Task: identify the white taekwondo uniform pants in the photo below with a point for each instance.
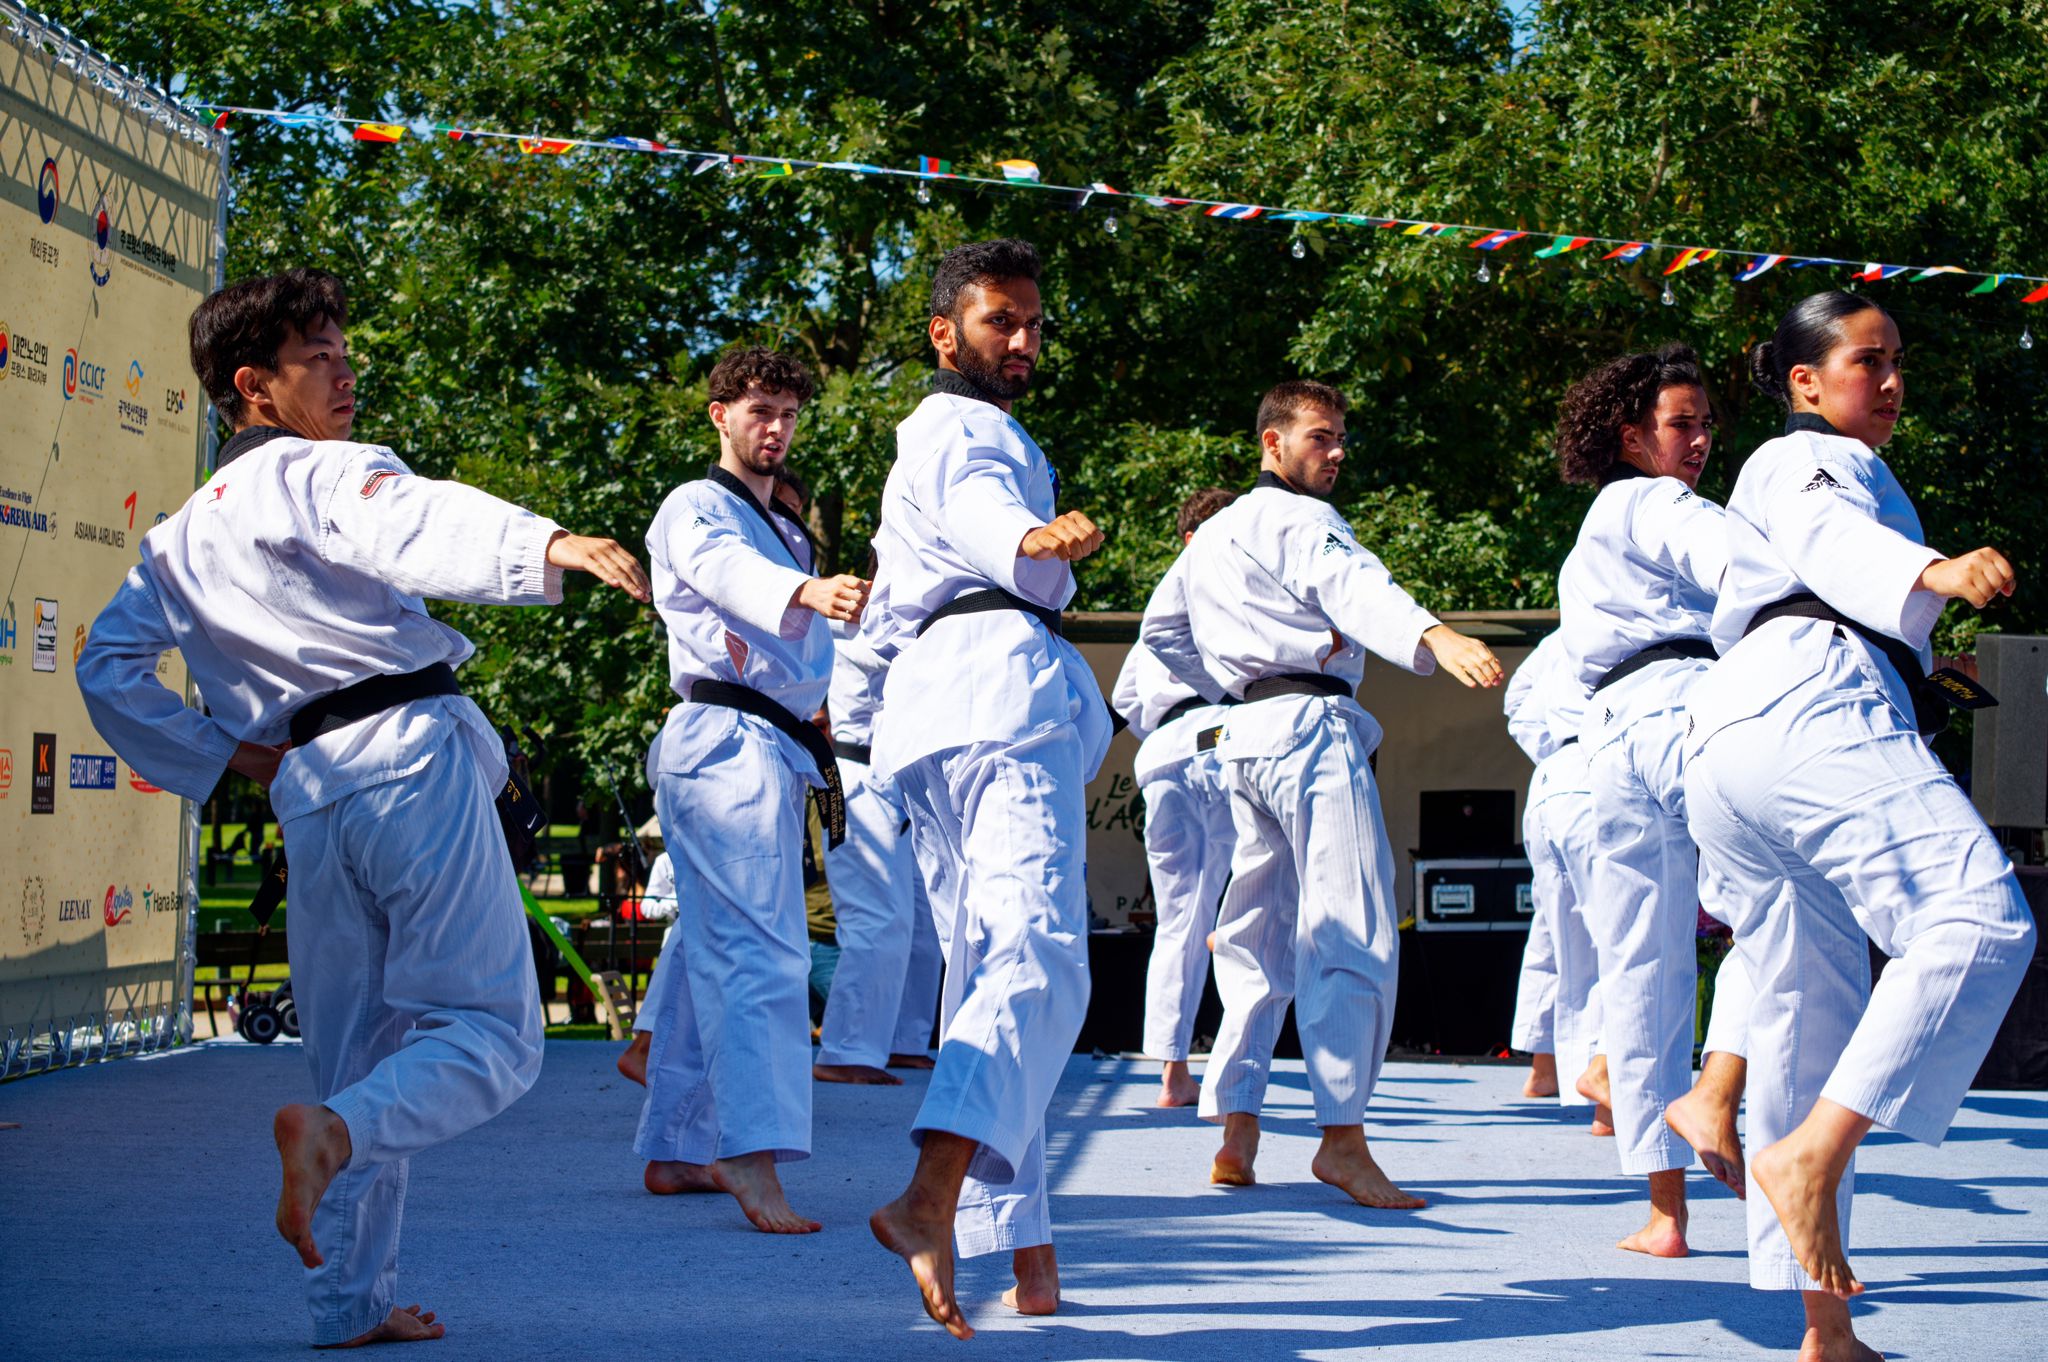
(918, 1014)
(729, 1070)
(1188, 841)
(1559, 833)
(414, 983)
(1309, 916)
(1829, 818)
(1001, 834)
(1644, 909)
(1534, 1030)
(878, 898)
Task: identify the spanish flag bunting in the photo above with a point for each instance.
(932, 165)
(1990, 285)
(1561, 245)
(2039, 295)
(1493, 241)
(1019, 170)
(1691, 255)
(1627, 251)
(379, 132)
(543, 146)
(1758, 264)
(1933, 270)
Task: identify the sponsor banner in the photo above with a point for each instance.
(107, 242)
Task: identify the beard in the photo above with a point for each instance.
(987, 374)
(754, 459)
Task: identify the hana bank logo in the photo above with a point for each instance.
(101, 266)
(47, 192)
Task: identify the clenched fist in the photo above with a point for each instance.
(1975, 577)
(836, 598)
(1071, 536)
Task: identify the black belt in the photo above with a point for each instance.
(371, 695)
(1670, 650)
(993, 598)
(1206, 740)
(853, 751)
(519, 813)
(1932, 695)
(831, 799)
(1568, 742)
(1295, 683)
(1180, 707)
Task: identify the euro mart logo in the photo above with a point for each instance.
(90, 772)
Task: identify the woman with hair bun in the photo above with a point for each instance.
(1636, 597)
(1810, 788)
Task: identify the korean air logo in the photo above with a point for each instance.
(47, 192)
(101, 265)
(135, 378)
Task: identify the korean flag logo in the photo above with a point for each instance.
(47, 192)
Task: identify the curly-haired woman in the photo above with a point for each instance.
(1637, 597)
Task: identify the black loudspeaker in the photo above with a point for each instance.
(1467, 823)
(2009, 743)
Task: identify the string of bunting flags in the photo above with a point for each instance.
(1017, 173)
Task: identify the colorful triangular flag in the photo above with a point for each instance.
(1759, 264)
(1422, 229)
(1873, 272)
(543, 146)
(1493, 241)
(1019, 170)
(636, 143)
(1561, 245)
(1358, 220)
(1991, 283)
(700, 164)
(1241, 212)
(932, 165)
(379, 132)
(222, 121)
(1294, 215)
(1169, 203)
(299, 120)
(1933, 270)
(2039, 295)
(455, 134)
(763, 166)
(1098, 187)
(1627, 251)
(1691, 255)
(1812, 262)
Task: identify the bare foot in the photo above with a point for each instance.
(1347, 1164)
(751, 1180)
(1592, 1084)
(1037, 1291)
(1830, 1337)
(912, 1062)
(1542, 1079)
(633, 1061)
(866, 1075)
(1708, 1125)
(920, 1232)
(1664, 1235)
(312, 1145)
(1603, 1120)
(1800, 1185)
(410, 1325)
(1177, 1087)
(1232, 1166)
(667, 1177)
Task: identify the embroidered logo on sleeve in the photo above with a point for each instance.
(1820, 480)
(377, 480)
(699, 523)
(1335, 543)
(1682, 497)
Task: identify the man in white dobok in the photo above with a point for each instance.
(1282, 603)
(992, 725)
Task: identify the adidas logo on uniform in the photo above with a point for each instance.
(1820, 480)
(1336, 543)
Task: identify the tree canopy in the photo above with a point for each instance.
(542, 326)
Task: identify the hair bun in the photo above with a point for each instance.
(1763, 371)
